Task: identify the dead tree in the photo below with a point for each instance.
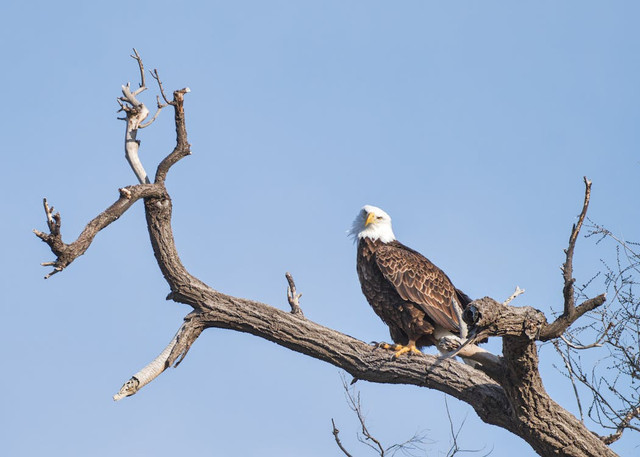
(507, 392)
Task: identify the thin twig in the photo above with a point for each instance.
(455, 448)
(338, 442)
(143, 86)
(159, 106)
(454, 435)
(156, 76)
(155, 116)
(632, 414)
(596, 344)
(353, 400)
(568, 366)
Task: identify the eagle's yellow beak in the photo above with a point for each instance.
(370, 218)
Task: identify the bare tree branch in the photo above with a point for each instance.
(570, 374)
(338, 442)
(136, 112)
(512, 398)
(156, 76)
(515, 294)
(67, 253)
(612, 381)
(567, 268)
(571, 313)
(560, 325)
(293, 296)
(624, 423)
(596, 344)
(355, 404)
(159, 106)
(175, 351)
(183, 148)
(138, 59)
(455, 447)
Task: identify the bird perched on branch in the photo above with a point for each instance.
(410, 294)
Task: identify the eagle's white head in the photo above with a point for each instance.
(372, 223)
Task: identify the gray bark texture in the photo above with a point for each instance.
(509, 393)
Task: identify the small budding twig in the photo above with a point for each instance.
(292, 296)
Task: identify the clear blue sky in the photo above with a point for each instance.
(471, 123)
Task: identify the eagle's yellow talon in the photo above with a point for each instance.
(400, 349)
(377, 345)
(411, 349)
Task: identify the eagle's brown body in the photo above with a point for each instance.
(409, 293)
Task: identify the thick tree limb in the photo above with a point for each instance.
(519, 328)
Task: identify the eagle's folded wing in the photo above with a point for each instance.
(419, 281)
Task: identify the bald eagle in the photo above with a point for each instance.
(409, 293)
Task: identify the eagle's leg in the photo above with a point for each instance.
(400, 349)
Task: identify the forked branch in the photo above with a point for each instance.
(136, 112)
(567, 268)
(413, 444)
(67, 253)
(571, 313)
(183, 148)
